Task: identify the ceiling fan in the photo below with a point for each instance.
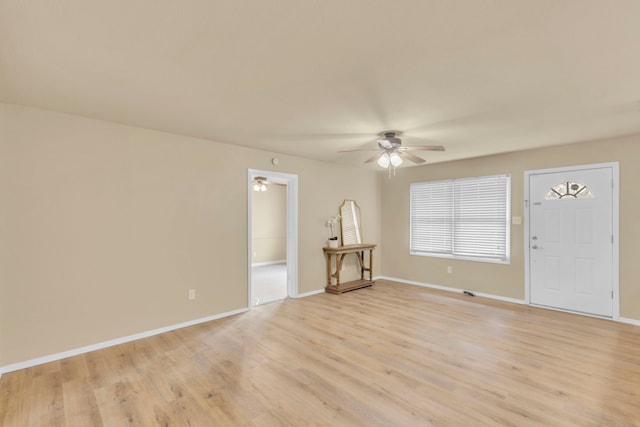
(260, 183)
(393, 153)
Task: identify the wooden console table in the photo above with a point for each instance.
(339, 253)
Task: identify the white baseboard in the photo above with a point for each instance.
(262, 264)
(456, 290)
(629, 321)
(501, 298)
(110, 343)
(308, 294)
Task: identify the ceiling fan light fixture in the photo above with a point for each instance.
(395, 159)
(384, 161)
(259, 184)
(391, 154)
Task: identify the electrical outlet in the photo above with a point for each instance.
(449, 269)
(192, 294)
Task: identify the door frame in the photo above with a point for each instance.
(291, 181)
(615, 218)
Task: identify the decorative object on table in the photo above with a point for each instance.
(351, 230)
(351, 227)
(332, 225)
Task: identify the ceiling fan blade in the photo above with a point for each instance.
(360, 149)
(374, 158)
(425, 147)
(411, 157)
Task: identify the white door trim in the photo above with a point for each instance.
(615, 279)
(291, 181)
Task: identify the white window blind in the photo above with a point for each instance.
(463, 218)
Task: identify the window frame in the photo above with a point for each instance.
(451, 254)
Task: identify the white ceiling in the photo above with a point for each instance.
(311, 77)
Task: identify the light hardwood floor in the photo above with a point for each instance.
(391, 355)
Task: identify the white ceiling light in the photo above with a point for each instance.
(395, 159)
(389, 159)
(383, 160)
(259, 183)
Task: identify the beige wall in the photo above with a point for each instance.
(108, 226)
(104, 227)
(508, 280)
(4, 248)
(269, 224)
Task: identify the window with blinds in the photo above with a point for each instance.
(463, 218)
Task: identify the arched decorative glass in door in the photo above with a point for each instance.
(569, 190)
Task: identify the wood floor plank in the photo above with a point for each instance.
(80, 405)
(389, 355)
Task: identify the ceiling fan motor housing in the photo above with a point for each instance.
(390, 137)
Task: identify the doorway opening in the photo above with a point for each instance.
(272, 238)
(571, 239)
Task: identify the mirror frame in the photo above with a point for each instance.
(350, 223)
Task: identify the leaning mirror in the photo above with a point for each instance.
(350, 223)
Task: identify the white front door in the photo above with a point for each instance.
(571, 240)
